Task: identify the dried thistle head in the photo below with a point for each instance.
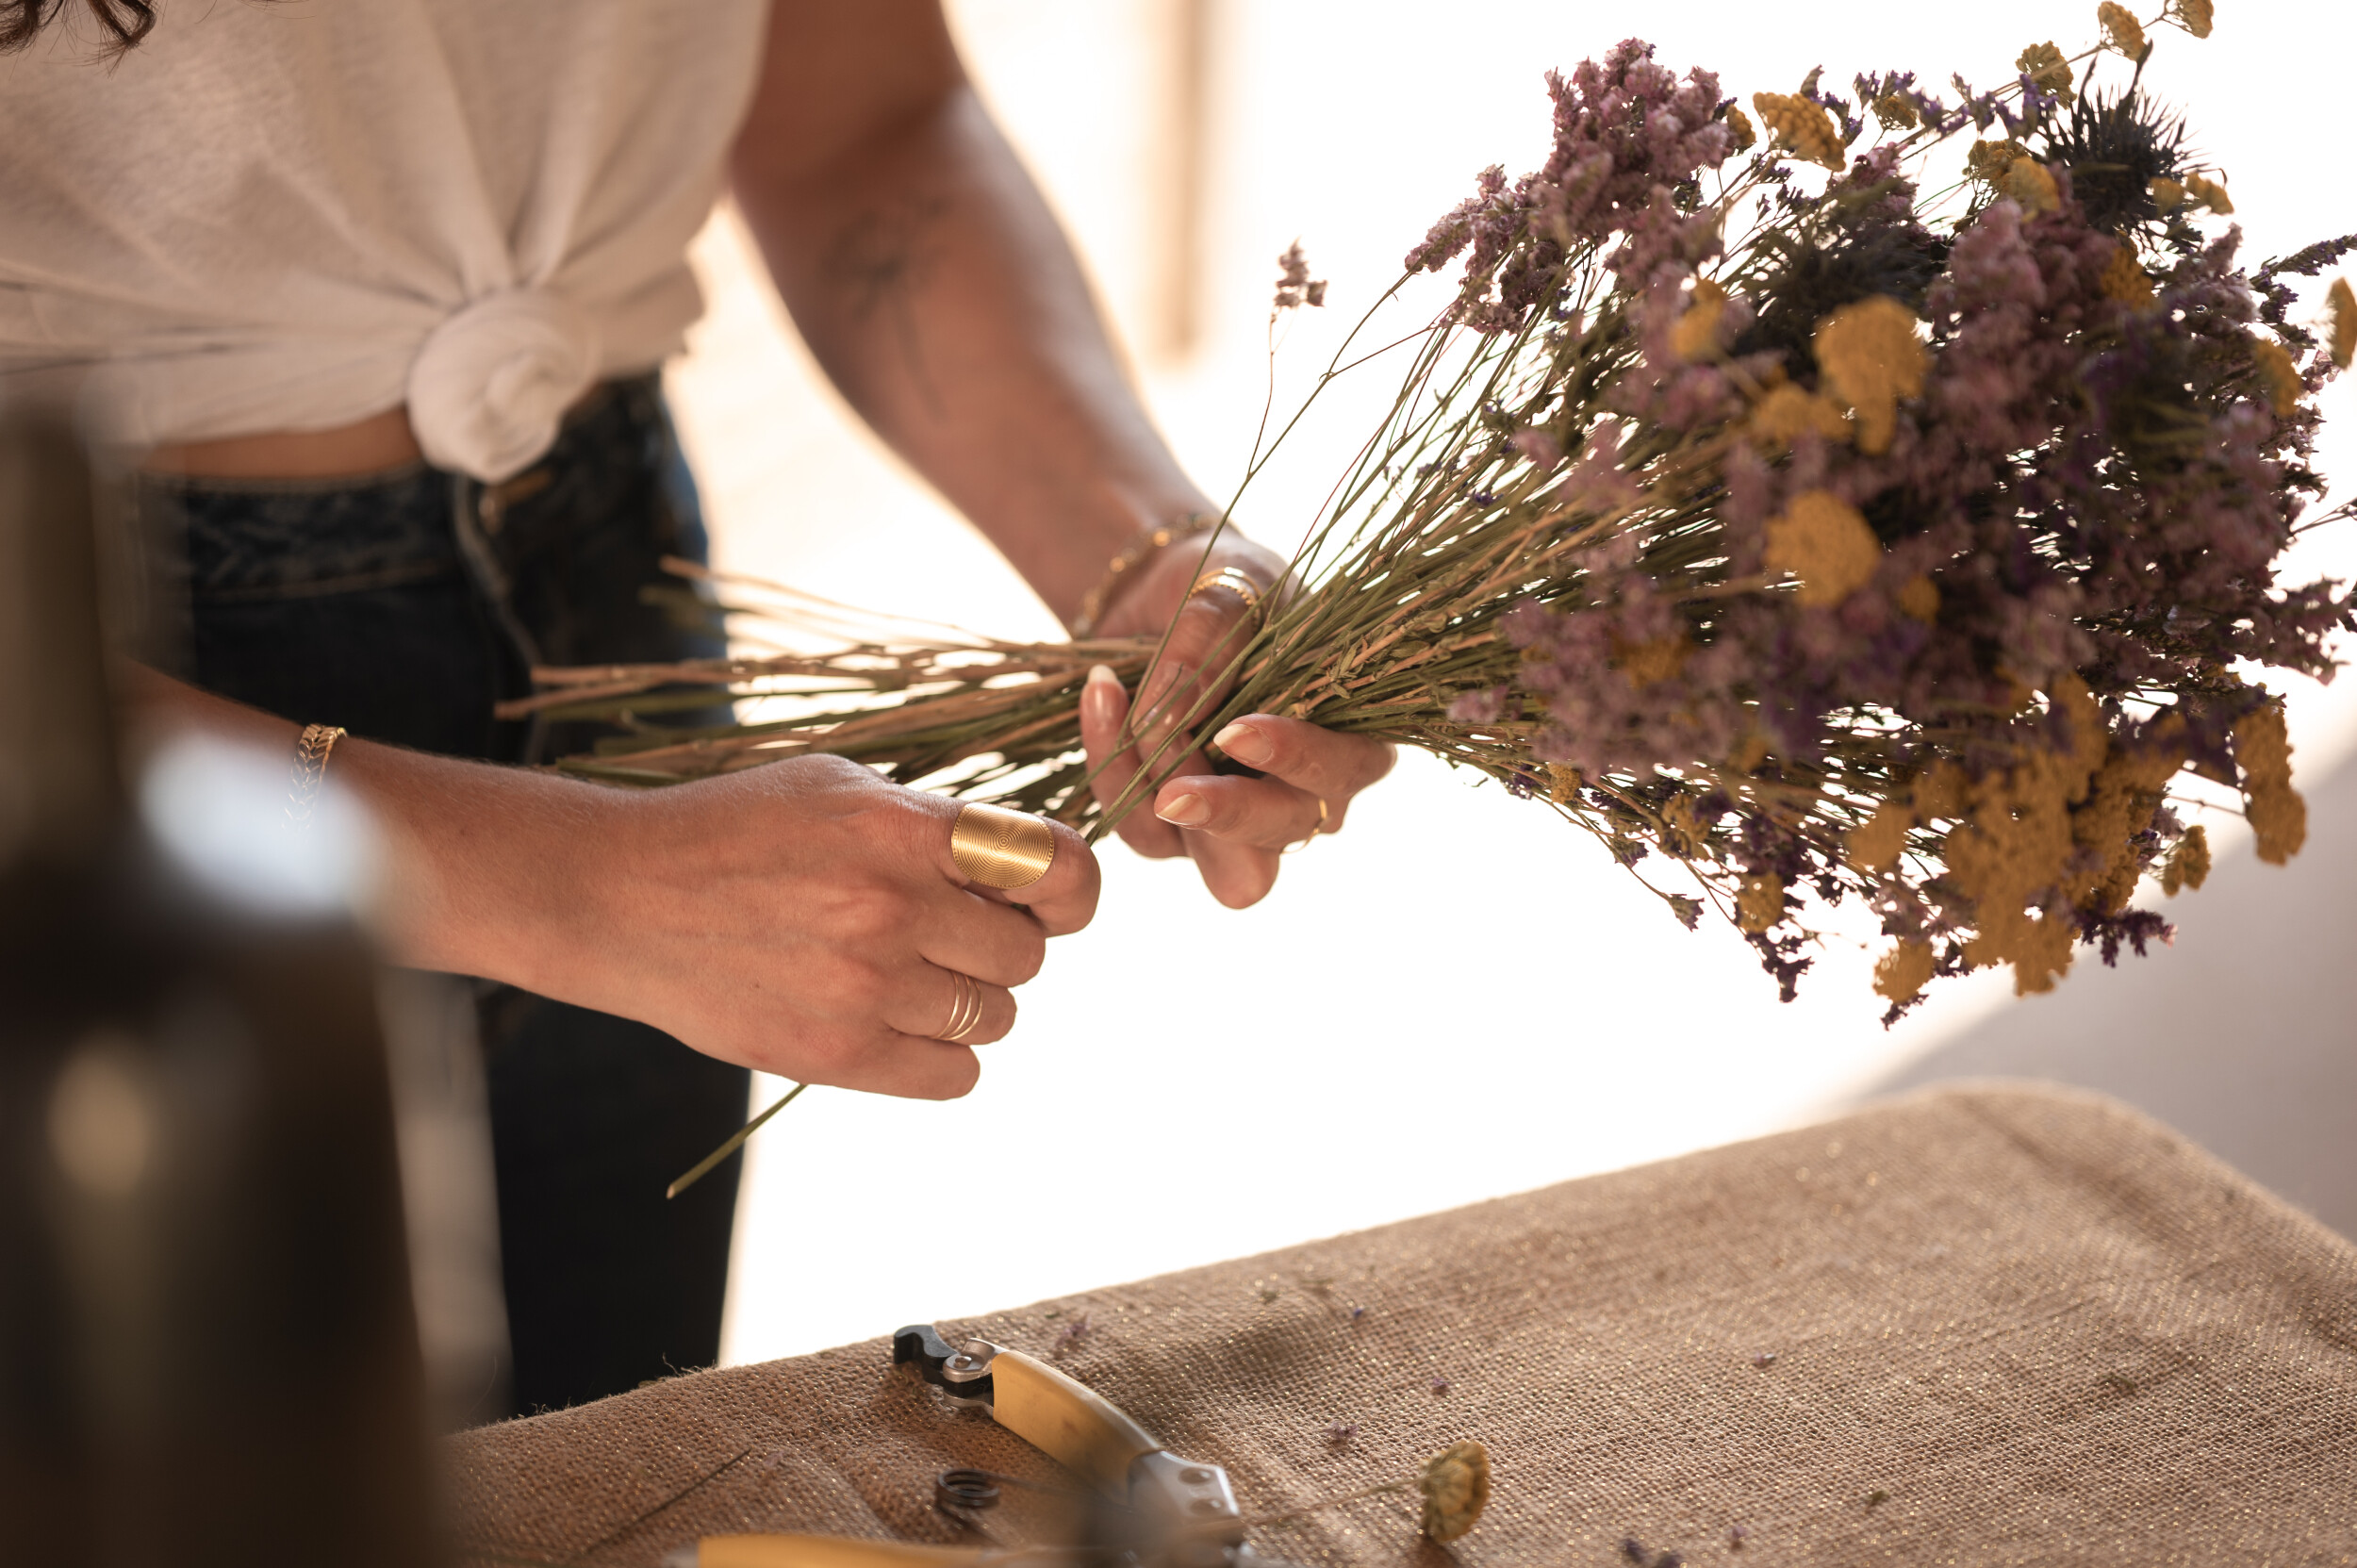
(2342, 345)
(1803, 126)
(1456, 1488)
(2117, 147)
(2047, 69)
(2122, 31)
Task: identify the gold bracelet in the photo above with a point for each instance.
(1094, 602)
(309, 771)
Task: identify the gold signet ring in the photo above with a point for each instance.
(1001, 848)
(1234, 581)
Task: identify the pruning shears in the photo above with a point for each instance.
(1147, 1508)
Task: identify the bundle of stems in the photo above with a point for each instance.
(1864, 543)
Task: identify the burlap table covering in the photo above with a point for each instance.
(1986, 1325)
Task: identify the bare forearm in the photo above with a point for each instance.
(932, 283)
(476, 855)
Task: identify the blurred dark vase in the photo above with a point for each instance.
(206, 1347)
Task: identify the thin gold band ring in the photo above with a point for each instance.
(1323, 815)
(965, 1009)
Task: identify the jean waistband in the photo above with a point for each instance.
(286, 538)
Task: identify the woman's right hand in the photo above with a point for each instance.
(805, 918)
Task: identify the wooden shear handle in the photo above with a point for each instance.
(1066, 1421)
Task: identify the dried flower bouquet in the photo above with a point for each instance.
(1853, 540)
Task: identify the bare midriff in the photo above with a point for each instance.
(378, 442)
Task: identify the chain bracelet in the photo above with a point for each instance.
(309, 771)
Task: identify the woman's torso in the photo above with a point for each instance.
(295, 215)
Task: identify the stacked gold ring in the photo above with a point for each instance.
(1323, 815)
(1235, 581)
(965, 1008)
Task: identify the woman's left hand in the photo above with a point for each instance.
(1233, 826)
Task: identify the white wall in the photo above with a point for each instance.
(1456, 999)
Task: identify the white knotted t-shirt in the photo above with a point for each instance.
(293, 214)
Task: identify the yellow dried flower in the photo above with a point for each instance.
(1988, 160)
(2122, 31)
(2120, 805)
(1942, 791)
(2167, 194)
(1779, 417)
(1740, 123)
(2124, 280)
(1896, 113)
(2210, 193)
(1456, 1488)
(1902, 971)
(1749, 754)
(1697, 331)
(1683, 833)
(1803, 126)
(2047, 69)
(1874, 843)
(2192, 15)
(2030, 187)
(2277, 374)
(2016, 849)
(2279, 818)
(1919, 597)
(1648, 663)
(2188, 864)
(1563, 783)
(1870, 355)
(2343, 345)
(1760, 902)
(1822, 540)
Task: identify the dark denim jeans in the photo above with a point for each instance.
(401, 606)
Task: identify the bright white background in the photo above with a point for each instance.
(1456, 999)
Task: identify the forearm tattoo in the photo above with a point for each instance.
(878, 264)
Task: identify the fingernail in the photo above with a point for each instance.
(1102, 691)
(1246, 743)
(1188, 811)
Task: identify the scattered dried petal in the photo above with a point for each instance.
(1456, 1488)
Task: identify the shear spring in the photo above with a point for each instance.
(965, 1490)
